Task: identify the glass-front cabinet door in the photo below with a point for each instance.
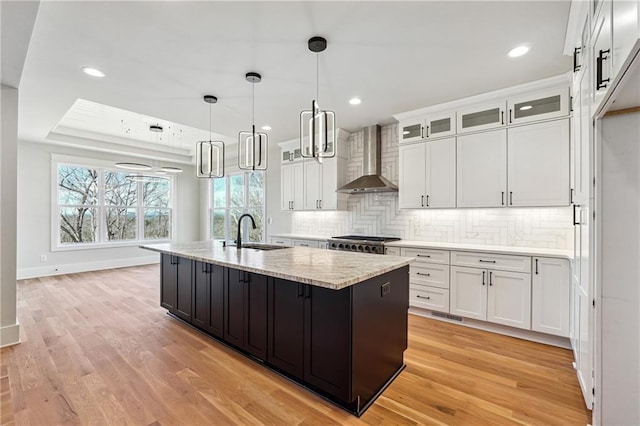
(481, 117)
(440, 125)
(537, 106)
(411, 130)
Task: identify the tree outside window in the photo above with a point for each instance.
(232, 196)
(101, 206)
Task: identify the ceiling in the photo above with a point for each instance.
(162, 57)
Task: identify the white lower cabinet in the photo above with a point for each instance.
(281, 241)
(490, 295)
(306, 243)
(436, 299)
(550, 296)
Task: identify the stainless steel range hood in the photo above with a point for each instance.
(371, 181)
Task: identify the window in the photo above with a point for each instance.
(102, 206)
(232, 196)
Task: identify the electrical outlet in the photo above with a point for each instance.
(385, 289)
(269, 220)
(43, 258)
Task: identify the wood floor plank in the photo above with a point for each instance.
(98, 349)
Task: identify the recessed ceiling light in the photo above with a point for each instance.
(155, 128)
(93, 72)
(133, 166)
(355, 101)
(171, 169)
(518, 51)
(266, 127)
(526, 107)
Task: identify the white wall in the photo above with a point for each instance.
(9, 328)
(35, 216)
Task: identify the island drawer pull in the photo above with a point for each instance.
(486, 261)
(422, 273)
(422, 297)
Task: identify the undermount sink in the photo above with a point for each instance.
(259, 246)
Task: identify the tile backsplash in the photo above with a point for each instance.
(378, 214)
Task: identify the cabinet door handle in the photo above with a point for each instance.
(571, 196)
(483, 275)
(601, 83)
(422, 200)
(300, 290)
(510, 198)
(502, 117)
(304, 245)
(490, 280)
(576, 65)
(536, 266)
(320, 203)
(486, 261)
(427, 131)
(293, 205)
(427, 201)
(510, 120)
(422, 273)
(574, 215)
(307, 291)
(421, 132)
(423, 255)
(422, 297)
(502, 198)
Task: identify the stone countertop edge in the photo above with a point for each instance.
(300, 237)
(521, 251)
(206, 255)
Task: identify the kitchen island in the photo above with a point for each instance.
(334, 322)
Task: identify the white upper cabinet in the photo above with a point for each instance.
(538, 106)
(538, 164)
(432, 126)
(331, 175)
(481, 117)
(428, 174)
(320, 184)
(626, 31)
(312, 184)
(482, 169)
(292, 190)
(411, 130)
(412, 184)
(601, 56)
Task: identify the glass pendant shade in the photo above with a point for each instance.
(210, 154)
(210, 159)
(252, 145)
(317, 133)
(252, 150)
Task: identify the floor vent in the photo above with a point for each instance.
(447, 316)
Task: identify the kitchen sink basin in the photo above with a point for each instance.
(258, 246)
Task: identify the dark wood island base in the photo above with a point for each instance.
(345, 345)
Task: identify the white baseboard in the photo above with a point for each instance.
(9, 335)
(71, 268)
(534, 336)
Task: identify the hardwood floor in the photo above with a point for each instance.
(98, 349)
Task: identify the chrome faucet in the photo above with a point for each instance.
(253, 223)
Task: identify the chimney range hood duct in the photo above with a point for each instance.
(371, 181)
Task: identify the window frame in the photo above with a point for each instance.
(230, 234)
(101, 207)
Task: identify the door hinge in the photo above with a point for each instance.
(593, 391)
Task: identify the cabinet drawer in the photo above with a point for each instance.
(392, 251)
(427, 255)
(306, 243)
(436, 299)
(281, 241)
(504, 262)
(433, 275)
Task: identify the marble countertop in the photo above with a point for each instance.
(524, 251)
(324, 268)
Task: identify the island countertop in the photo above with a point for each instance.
(324, 268)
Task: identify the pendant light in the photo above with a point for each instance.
(252, 145)
(209, 154)
(317, 126)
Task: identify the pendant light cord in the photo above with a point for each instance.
(210, 138)
(253, 102)
(317, 78)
